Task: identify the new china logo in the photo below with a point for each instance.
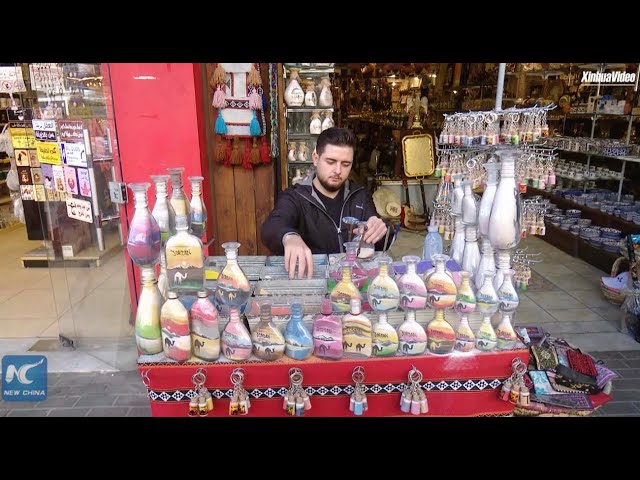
(24, 378)
(616, 78)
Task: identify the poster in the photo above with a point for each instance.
(24, 176)
(33, 158)
(47, 176)
(36, 176)
(11, 79)
(58, 178)
(74, 154)
(79, 210)
(84, 183)
(27, 192)
(40, 193)
(22, 157)
(71, 181)
(48, 152)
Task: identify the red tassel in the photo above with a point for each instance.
(264, 151)
(247, 152)
(227, 153)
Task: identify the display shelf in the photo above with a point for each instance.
(310, 70)
(622, 158)
(303, 136)
(298, 163)
(597, 257)
(308, 109)
(455, 385)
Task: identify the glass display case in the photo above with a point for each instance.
(307, 111)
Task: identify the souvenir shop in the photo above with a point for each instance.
(470, 154)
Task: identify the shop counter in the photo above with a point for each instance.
(458, 384)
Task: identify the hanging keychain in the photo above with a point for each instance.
(413, 399)
(296, 400)
(512, 386)
(201, 402)
(358, 401)
(240, 403)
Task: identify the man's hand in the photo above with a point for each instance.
(296, 251)
(376, 229)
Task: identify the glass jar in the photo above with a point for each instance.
(143, 242)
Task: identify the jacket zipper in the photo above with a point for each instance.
(329, 216)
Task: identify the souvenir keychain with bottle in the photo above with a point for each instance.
(358, 401)
(513, 388)
(201, 402)
(240, 402)
(413, 399)
(296, 400)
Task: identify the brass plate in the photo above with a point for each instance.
(418, 155)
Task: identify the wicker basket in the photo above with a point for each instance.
(613, 295)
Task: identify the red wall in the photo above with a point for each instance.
(159, 123)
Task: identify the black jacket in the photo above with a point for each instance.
(300, 210)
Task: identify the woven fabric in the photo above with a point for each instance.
(545, 357)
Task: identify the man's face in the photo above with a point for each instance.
(333, 166)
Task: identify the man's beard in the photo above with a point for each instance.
(330, 187)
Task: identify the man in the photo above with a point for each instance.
(308, 216)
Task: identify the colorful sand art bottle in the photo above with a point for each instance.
(268, 341)
(198, 210)
(356, 332)
(441, 289)
(344, 291)
(383, 293)
(143, 242)
(205, 328)
(465, 298)
(385, 337)
(233, 288)
(327, 333)
(185, 260)
(298, 338)
(412, 338)
(441, 334)
(179, 200)
(413, 292)
(176, 332)
(236, 340)
(506, 334)
(465, 339)
(486, 339)
(148, 329)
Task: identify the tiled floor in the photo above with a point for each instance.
(98, 377)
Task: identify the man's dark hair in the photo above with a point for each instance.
(340, 137)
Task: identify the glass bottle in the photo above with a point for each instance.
(503, 263)
(291, 156)
(315, 126)
(176, 333)
(465, 298)
(328, 121)
(471, 255)
(326, 98)
(441, 334)
(505, 333)
(432, 243)
(163, 282)
(383, 293)
(486, 339)
(327, 333)
(293, 94)
(268, 342)
(148, 329)
(185, 260)
(178, 199)
(507, 294)
(458, 242)
(236, 340)
(162, 210)
(310, 99)
(205, 328)
(385, 338)
(143, 242)
(486, 202)
(197, 208)
(233, 287)
(413, 291)
(487, 262)
(441, 289)
(344, 291)
(367, 250)
(505, 219)
(412, 339)
(486, 296)
(298, 338)
(457, 195)
(469, 205)
(356, 332)
(465, 339)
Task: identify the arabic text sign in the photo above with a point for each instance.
(74, 154)
(71, 131)
(48, 152)
(79, 210)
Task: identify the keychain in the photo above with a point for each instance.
(201, 402)
(513, 388)
(358, 402)
(413, 399)
(296, 400)
(240, 403)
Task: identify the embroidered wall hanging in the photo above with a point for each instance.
(240, 121)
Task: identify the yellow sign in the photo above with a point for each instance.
(48, 152)
(22, 138)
